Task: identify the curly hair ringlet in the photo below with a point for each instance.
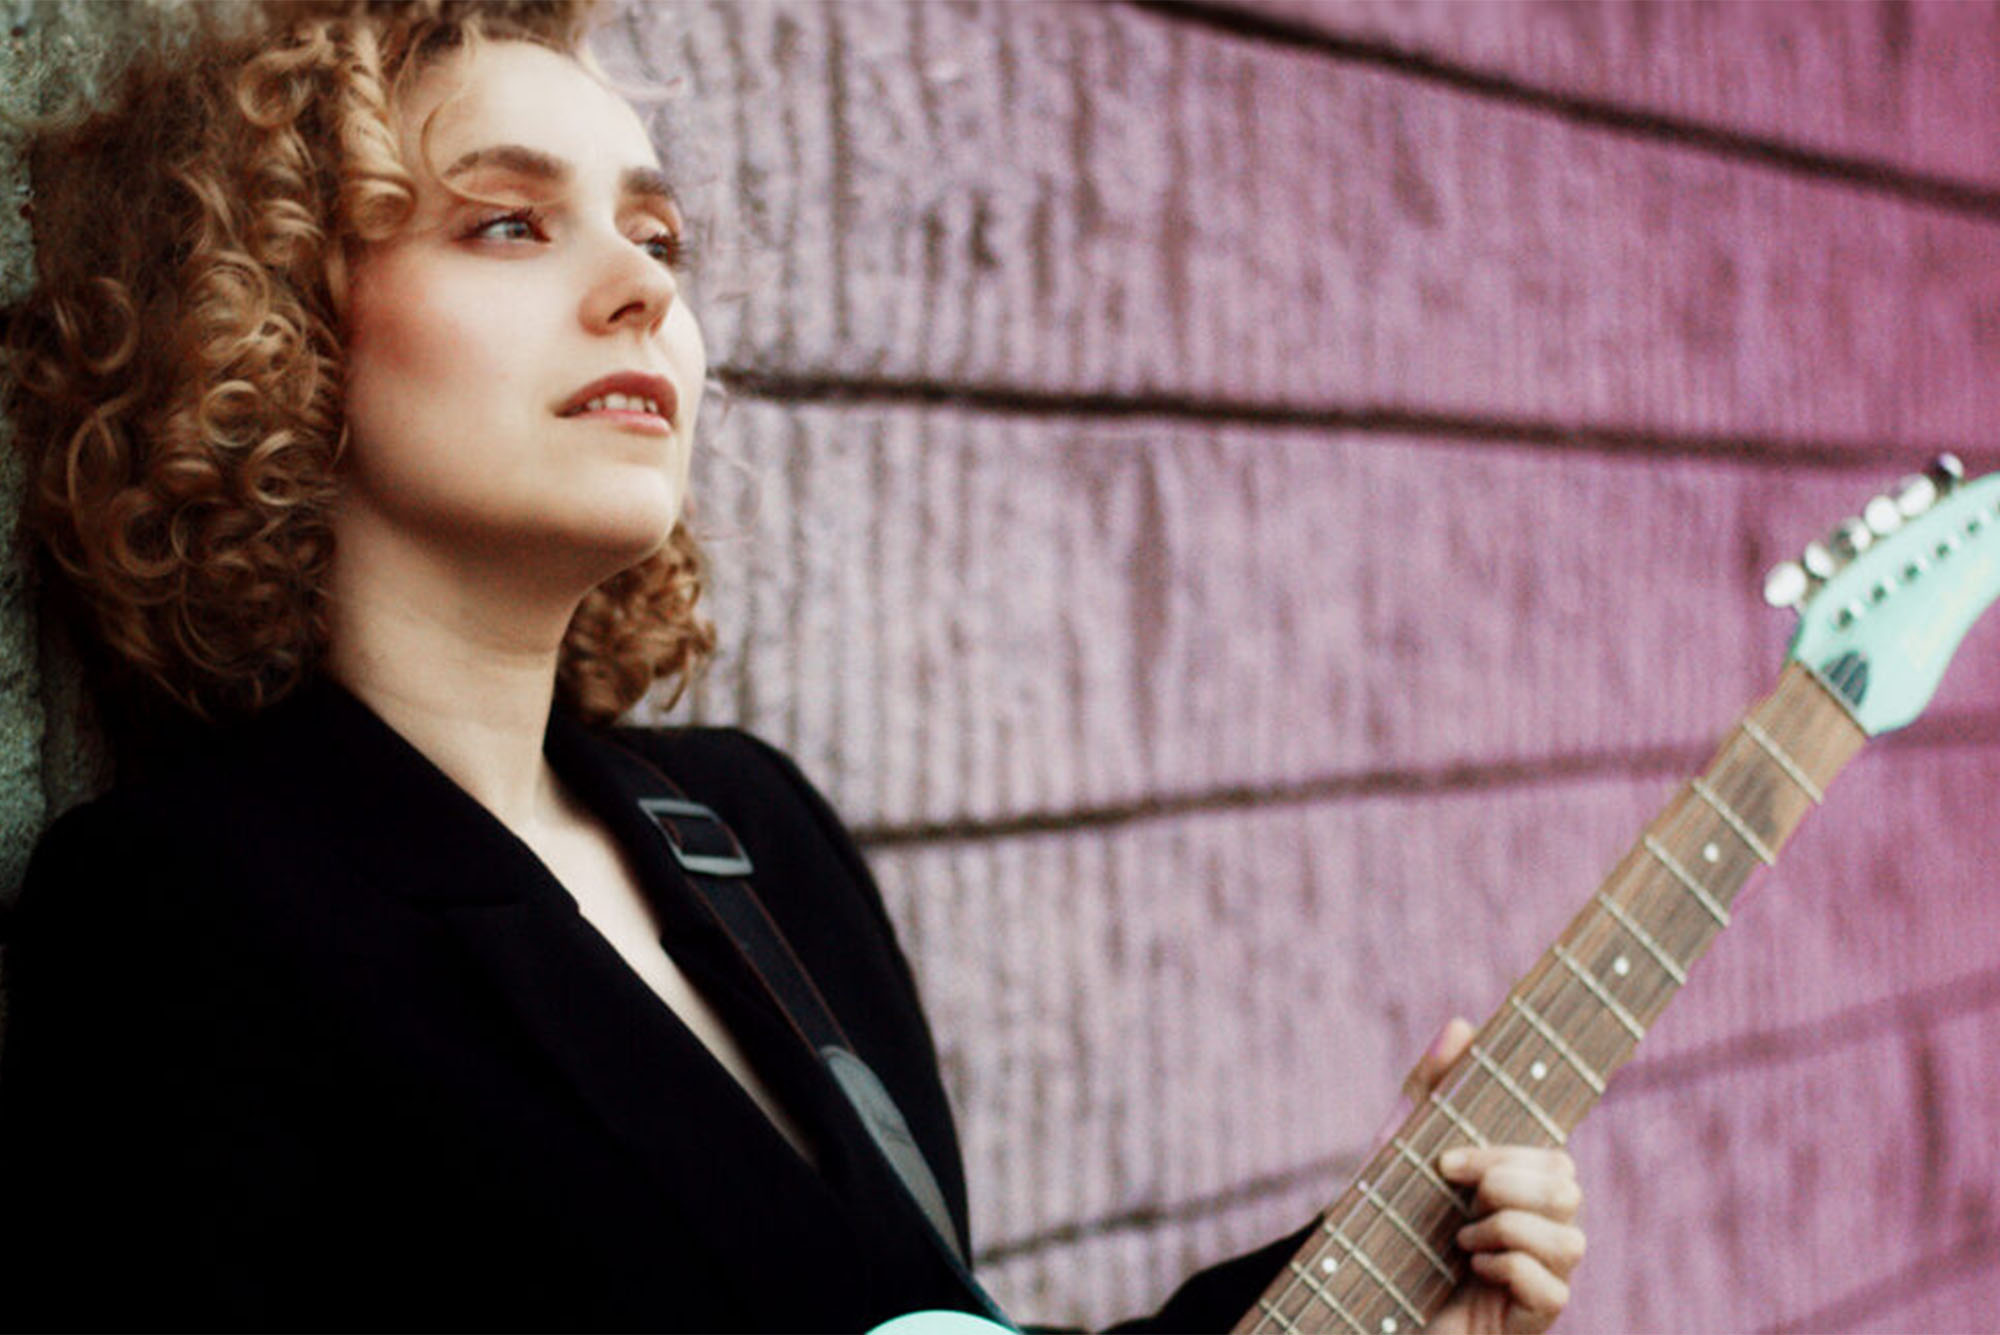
(174, 379)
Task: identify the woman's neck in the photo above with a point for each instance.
(462, 666)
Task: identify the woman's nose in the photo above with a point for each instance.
(632, 289)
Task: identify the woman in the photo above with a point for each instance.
(361, 431)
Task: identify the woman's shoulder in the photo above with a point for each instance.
(796, 840)
(728, 757)
(116, 849)
(259, 811)
(741, 776)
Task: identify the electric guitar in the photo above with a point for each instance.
(1883, 604)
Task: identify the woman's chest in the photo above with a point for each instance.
(608, 894)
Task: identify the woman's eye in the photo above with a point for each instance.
(669, 248)
(520, 225)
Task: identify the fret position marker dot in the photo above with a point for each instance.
(1621, 966)
(1388, 1325)
(1328, 1264)
(1710, 853)
(1538, 1070)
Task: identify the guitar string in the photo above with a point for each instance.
(1509, 1035)
(1414, 1278)
(1502, 1044)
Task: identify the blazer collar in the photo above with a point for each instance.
(414, 833)
(424, 837)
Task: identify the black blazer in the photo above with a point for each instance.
(299, 1035)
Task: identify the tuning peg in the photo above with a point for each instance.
(1882, 516)
(1819, 561)
(1787, 584)
(1915, 494)
(1850, 538)
(1947, 472)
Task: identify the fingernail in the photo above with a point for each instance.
(1452, 1160)
(1441, 1044)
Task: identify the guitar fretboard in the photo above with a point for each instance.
(1383, 1260)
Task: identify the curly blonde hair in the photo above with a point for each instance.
(175, 378)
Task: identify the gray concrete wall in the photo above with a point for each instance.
(1249, 508)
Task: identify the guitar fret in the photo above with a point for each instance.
(1805, 728)
(1755, 733)
(1382, 1281)
(1445, 1188)
(1688, 882)
(1555, 1040)
(1644, 938)
(1597, 989)
(1736, 823)
(1507, 1083)
(1286, 1324)
(1466, 1128)
(1319, 1291)
(1402, 1226)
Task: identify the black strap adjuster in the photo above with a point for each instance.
(700, 842)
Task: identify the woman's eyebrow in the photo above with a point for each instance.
(644, 182)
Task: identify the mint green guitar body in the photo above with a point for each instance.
(940, 1323)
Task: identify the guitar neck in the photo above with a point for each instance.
(1383, 1259)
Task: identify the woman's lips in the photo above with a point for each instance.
(633, 395)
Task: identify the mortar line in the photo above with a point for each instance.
(1930, 189)
(1747, 449)
(1943, 733)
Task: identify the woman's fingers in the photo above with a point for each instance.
(1536, 1297)
(1516, 1177)
(1523, 1241)
(1449, 1045)
(1558, 1247)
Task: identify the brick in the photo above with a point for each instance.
(1909, 84)
(1742, 1199)
(1948, 1294)
(954, 616)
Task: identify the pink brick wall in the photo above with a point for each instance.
(1251, 508)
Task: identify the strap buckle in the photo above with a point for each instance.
(699, 840)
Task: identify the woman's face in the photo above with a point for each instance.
(522, 377)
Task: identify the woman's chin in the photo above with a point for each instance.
(631, 530)
(580, 547)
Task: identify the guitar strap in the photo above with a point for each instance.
(713, 862)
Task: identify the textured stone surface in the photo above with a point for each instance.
(51, 52)
(1085, 200)
(54, 55)
(21, 802)
(1096, 613)
(1755, 1187)
(1144, 1019)
(1908, 83)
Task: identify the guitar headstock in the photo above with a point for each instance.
(1886, 598)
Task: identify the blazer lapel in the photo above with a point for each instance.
(619, 1047)
(611, 780)
(418, 836)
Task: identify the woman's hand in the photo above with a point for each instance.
(1523, 1238)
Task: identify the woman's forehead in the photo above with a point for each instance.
(519, 93)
